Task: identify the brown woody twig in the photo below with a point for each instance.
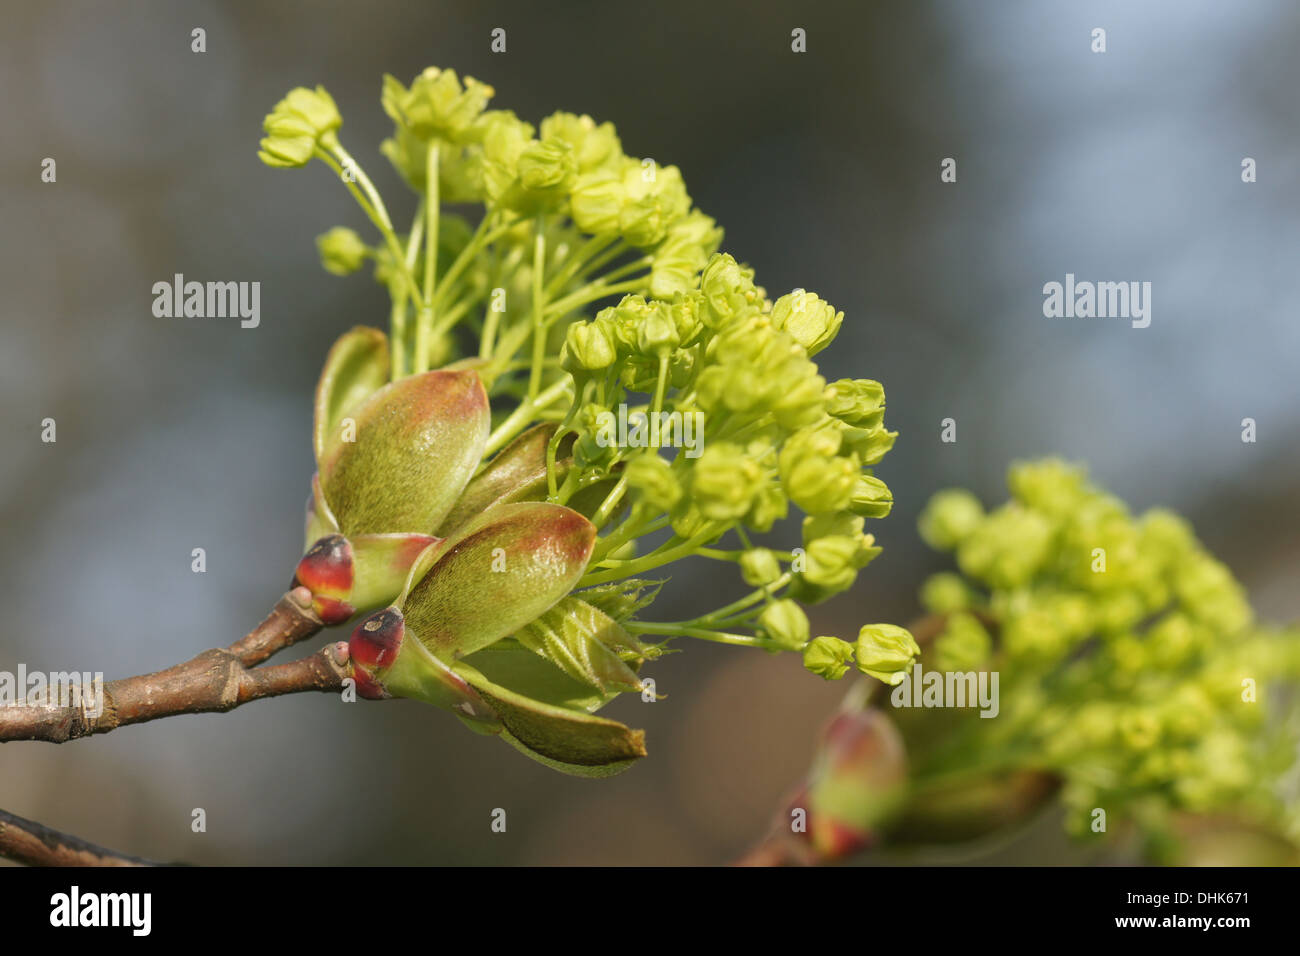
(25, 841)
(217, 680)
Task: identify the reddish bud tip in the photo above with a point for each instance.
(332, 611)
(326, 570)
(373, 647)
(836, 840)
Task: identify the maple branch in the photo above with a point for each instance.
(26, 841)
(215, 681)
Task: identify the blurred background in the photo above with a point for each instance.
(823, 167)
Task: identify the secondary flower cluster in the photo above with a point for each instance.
(1133, 683)
(471, 490)
(1131, 665)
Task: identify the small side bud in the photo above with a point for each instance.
(373, 648)
(327, 571)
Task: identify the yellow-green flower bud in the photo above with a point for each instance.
(813, 475)
(724, 482)
(547, 167)
(504, 139)
(594, 447)
(436, 105)
(587, 347)
(1008, 548)
(596, 201)
(683, 253)
(946, 592)
(341, 251)
(653, 478)
(296, 125)
(594, 147)
(886, 652)
(728, 289)
(835, 549)
(759, 567)
(949, 518)
(785, 623)
(1051, 486)
(811, 321)
(828, 657)
(798, 402)
(655, 199)
(857, 402)
(871, 497)
(770, 506)
(657, 334)
(964, 644)
(870, 444)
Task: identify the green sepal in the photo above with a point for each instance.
(567, 740)
(506, 567)
(320, 519)
(382, 564)
(510, 664)
(418, 675)
(355, 368)
(417, 442)
(516, 473)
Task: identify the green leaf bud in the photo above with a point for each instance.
(686, 519)
(356, 367)
(857, 785)
(502, 570)
(415, 444)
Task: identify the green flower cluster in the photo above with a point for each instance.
(734, 424)
(576, 389)
(1130, 665)
(567, 218)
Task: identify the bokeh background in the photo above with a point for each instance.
(824, 169)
